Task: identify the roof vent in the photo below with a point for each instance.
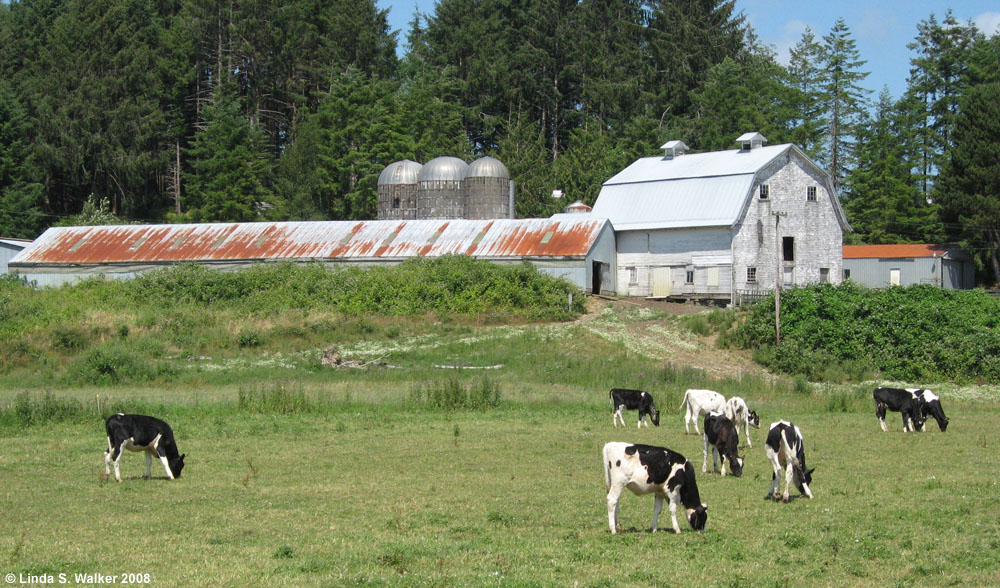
(751, 141)
(672, 149)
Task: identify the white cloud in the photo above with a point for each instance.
(988, 23)
(791, 33)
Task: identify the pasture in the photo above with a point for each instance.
(362, 484)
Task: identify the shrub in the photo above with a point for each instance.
(116, 363)
(452, 394)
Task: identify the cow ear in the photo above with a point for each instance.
(704, 506)
(182, 455)
(811, 471)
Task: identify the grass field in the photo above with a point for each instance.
(372, 489)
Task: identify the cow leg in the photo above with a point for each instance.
(694, 420)
(880, 413)
(657, 507)
(687, 418)
(704, 457)
(149, 461)
(722, 458)
(614, 494)
(906, 421)
(117, 458)
(789, 472)
(107, 459)
(614, 417)
(746, 427)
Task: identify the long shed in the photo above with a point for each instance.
(879, 266)
(578, 249)
(712, 225)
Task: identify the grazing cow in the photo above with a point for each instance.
(645, 469)
(623, 398)
(699, 402)
(721, 434)
(906, 402)
(141, 433)
(736, 410)
(931, 407)
(785, 449)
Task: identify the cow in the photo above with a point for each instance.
(141, 433)
(931, 407)
(645, 469)
(699, 402)
(736, 410)
(906, 402)
(786, 450)
(722, 436)
(623, 398)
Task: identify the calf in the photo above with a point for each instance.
(721, 434)
(906, 402)
(141, 433)
(736, 410)
(785, 449)
(931, 407)
(645, 469)
(699, 402)
(623, 398)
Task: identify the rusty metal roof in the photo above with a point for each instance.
(318, 240)
(898, 251)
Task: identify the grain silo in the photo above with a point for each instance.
(397, 190)
(488, 189)
(440, 190)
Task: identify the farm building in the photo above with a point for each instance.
(446, 187)
(581, 250)
(878, 266)
(8, 249)
(710, 226)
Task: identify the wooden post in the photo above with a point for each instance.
(777, 278)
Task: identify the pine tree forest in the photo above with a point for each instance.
(208, 111)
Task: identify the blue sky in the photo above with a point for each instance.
(882, 29)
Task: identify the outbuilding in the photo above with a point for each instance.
(580, 250)
(879, 266)
(8, 249)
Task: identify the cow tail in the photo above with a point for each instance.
(607, 471)
(684, 401)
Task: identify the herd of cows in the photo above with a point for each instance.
(647, 469)
(643, 469)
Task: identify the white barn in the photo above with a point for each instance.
(710, 226)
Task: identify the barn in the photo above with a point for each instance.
(878, 266)
(711, 226)
(580, 250)
(8, 249)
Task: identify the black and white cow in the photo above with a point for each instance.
(736, 410)
(645, 469)
(141, 433)
(623, 398)
(785, 449)
(699, 402)
(721, 435)
(931, 407)
(904, 401)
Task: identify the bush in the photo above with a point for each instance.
(116, 363)
(453, 395)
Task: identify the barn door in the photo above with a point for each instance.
(661, 281)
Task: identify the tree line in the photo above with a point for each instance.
(241, 110)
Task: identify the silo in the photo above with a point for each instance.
(440, 191)
(397, 190)
(488, 189)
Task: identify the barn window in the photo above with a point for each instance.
(395, 202)
(811, 193)
(764, 192)
(752, 274)
(847, 274)
(824, 275)
(689, 277)
(788, 248)
(633, 275)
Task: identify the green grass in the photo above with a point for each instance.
(380, 491)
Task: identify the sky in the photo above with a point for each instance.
(882, 29)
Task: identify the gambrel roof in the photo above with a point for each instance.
(693, 190)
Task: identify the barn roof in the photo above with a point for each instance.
(902, 251)
(690, 190)
(318, 240)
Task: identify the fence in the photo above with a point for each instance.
(748, 297)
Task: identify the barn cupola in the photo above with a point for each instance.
(672, 149)
(751, 141)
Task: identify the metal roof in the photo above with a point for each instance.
(487, 167)
(902, 251)
(400, 172)
(444, 168)
(689, 202)
(318, 240)
(698, 165)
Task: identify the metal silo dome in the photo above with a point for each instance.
(400, 172)
(397, 190)
(488, 189)
(487, 167)
(443, 169)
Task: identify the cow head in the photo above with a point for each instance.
(736, 465)
(654, 416)
(754, 419)
(802, 478)
(176, 465)
(698, 517)
(933, 409)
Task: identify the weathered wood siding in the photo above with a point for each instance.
(661, 259)
(814, 226)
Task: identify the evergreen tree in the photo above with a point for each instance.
(229, 165)
(844, 100)
(968, 187)
(883, 204)
(806, 80)
(21, 214)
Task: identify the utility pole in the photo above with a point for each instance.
(777, 277)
